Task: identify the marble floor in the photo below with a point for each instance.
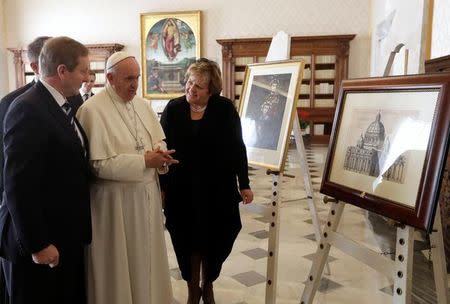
(242, 280)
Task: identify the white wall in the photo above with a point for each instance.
(106, 21)
(440, 41)
(406, 26)
(3, 67)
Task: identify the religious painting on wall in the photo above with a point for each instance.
(170, 42)
(388, 146)
(268, 102)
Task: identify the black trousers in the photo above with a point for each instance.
(28, 282)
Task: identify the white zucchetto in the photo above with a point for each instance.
(116, 58)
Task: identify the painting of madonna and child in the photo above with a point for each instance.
(170, 43)
(269, 99)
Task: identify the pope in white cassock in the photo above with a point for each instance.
(127, 260)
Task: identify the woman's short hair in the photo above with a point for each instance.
(210, 70)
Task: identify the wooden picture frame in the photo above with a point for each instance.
(389, 145)
(170, 42)
(267, 107)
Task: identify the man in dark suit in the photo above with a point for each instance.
(85, 92)
(75, 101)
(86, 87)
(33, 51)
(45, 219)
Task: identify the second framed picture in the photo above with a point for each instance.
(268, 103)
(389, 145)
(170, 42)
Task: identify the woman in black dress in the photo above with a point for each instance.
(201, 192)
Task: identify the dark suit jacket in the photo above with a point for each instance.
(75, 101)
(5, 102)
(46, 176)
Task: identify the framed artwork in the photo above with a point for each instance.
(389, 145)
(267, 107)
(170, 42)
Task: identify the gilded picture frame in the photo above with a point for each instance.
(170, 42)
(388, 146)
(267, 108)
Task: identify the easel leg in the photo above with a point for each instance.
(308, 184)
(321, 256)
(274, 232)
(403, 265)
(439, 263)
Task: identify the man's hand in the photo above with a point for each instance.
(159, 159)
(49, 255)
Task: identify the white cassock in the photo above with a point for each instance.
(127, 260)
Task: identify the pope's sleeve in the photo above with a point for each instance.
(107, 163)
(122, 167)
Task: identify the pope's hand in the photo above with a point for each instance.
(159, 159)
(49, 255)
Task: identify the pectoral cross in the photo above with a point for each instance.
(139, 146)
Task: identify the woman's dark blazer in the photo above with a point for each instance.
(218, 158)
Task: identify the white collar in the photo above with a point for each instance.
(111, 92)
(84, 93)
(60, 99)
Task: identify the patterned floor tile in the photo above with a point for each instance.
(388, 290)
(260, 234)
(256, 253)
(309, 221)
(319, 209)
(263, 219)
(312, 255)
(327, 285)
(311, 237)
(249, 278)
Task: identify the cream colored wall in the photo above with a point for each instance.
(440, 41)
(3, 67)
(104, 21)
(407, 26)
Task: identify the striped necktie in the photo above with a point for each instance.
(67, 108)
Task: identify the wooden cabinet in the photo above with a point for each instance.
(326, 64)
(98, 54)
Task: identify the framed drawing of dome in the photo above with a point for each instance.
(389, 145)
(170, 42)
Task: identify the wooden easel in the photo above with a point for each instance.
(274, 227)
(399, 270)
(279, 50)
